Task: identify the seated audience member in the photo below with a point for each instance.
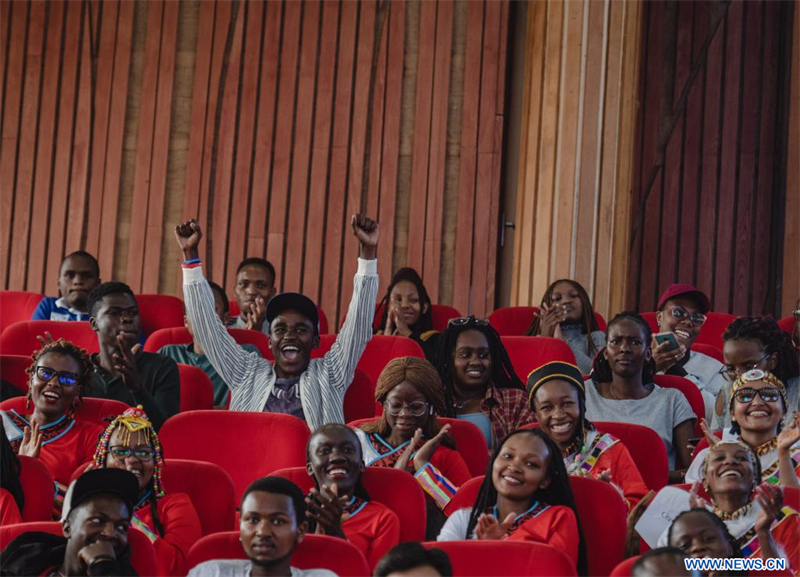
(757, 343)
(411, 559)
(340, 506)
(407, 311)
(408, 437)
(525, 496)
(758, 408)
(170, 521)
(566, 313)
(97, 516)
(621, 390)
(312, 390)
(480, 385)
(12, 497)
(255, 286)
(558, 399)
(272, 524)
(59, 378)
(662, 562)
(194, 355)
(701, 534)
(78, 276)
(122, 371)
(682, 311)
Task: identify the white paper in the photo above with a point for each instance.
(668, 503)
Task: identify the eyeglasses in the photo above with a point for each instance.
(767, 394)
(731, 372)
(417, 408)
(46, 374)
(142, 453)
(461, 321)
(680, 313)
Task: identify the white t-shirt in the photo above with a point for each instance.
(703, 371)
(241, 568)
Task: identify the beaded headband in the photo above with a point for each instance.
(554, 370)
(757, 375)
(133, 420)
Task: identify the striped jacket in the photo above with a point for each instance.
(251, 377)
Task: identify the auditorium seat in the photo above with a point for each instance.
(710, 333)
(12, 370)
(623, 569)
(197, 392)
(233, 311)
(395, 489)
(20, 338)
(703, 443)
(692, 394)
(37, 485)
(481, 558)
(17, 306)
(787, 325)
(143, 555)
(180, 336)
(159, 312)
(514, 321)
(709, 351)
(529, 353)
(359, 400)
(314, 552)
(247, 445)
(602, 512)
(470, 442)
(91, 410)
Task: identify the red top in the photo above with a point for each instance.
(9, 511)
(374, 529)
(555, 526)
(624, 473)
(181, 530)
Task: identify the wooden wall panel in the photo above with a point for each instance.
(791, 240)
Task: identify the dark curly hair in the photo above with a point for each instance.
(64, 347)
(425, 322)
(773, 340)
(601, 370)
(105, 289)
(719, 525)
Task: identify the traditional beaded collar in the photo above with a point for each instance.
(770, 445)
(741, 512)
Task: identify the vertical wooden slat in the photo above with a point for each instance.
(5, 34)
(378, 117)
(791, 256)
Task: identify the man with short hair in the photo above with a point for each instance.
(98, 508)
(78, 275)
(123, 371)
(255, 286)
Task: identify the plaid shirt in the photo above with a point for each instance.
(507, 410)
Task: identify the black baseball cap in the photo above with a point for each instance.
(292, 301)
(116, 481)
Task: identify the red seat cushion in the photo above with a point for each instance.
(197, 392)
(511, 321)
(710, 333)
(16, 306)
(159, 312)
(480, 558)
(529, 353)
(20, 338)
(37, 485)
(91, 410)
(709, 351)
(12, 370)
(180, 336)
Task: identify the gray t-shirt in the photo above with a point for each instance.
(662, 410)
(579, 343)
(241, 568)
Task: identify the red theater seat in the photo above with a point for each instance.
(16, 306)
(12, 370)
(470, 442)
(20, 338)
(624, 569)
(247, 445)
(398, 490)
(197, 392)
(359, 401)
(602, 513)
(159, 312)
(787, 325)
(234, 311)
(315, 552)
(481, 558)
(692, 394)
(91, 410)
(710, 334)
(529, 353)
(514, 321)
(709, 351)
(180, 336)
(143, 556)
(703, 443)
(37, 485)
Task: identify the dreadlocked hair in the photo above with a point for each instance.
(601, 370)
(557, 492)
(719, 524)
(503, 375)
(588, 322)
(773, 340)
(9, 472)
(67, 348)
(135, 420)
(421, 375)
(425, 321)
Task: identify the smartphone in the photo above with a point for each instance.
(667, 337)
(694, 441)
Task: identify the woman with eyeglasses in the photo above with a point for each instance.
(58, 379)
(170, 521)
(758, 413)
(681, 313)
(757, 343)
(408, 436)
(480, 385)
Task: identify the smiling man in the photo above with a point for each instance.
(78, 275)
(310, 389)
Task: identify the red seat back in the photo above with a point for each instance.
(480, 558)
(247, 445)
(395, 489)
(12, 370)
(92, 410)
(359, 401)
(233, 310)
(710, 334)
(787, 325)
(692, 394)
(143, 556)
(315, 552)
(180, 336)
(646, 449)
(20, 338)
(709, 351)
(470, 442)
(514, 321)
(197, 392)
(37, 485)
(529, 353)
(624, 569)
(159, 312)
(16, 306)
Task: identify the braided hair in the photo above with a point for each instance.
(773, 340)
(719, 525)
(557, 492)
(503, 375)
(66, 348)
(601, 370)
(9, 472)
(588, 322)
(425, 321)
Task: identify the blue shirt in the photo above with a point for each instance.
(483, 423)
(56, 309)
